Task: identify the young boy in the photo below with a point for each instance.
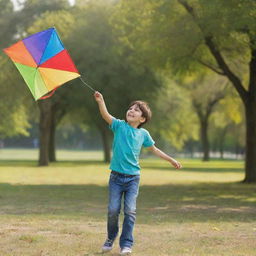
(125, 169)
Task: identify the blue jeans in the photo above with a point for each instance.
(122, 185)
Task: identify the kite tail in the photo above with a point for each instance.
(49, 94)
(87, 84)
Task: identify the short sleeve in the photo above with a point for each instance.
(116, 123)
(148, 141)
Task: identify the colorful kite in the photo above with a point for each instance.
(43, 62)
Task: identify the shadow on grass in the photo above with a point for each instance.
(198, 169)
(156, 204)
(31, 163)
(219, 169)
(149, 166)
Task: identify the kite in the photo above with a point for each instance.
(43, 62)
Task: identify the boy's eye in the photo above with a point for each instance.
(135, 109)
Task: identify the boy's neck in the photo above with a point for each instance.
(134, 125)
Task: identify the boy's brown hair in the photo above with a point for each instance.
(146, 111)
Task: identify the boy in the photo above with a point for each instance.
(125, 169)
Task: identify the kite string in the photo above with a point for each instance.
(87, 84)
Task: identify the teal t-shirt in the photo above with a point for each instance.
(127, 146)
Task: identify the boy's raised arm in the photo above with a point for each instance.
(102, 107)
(156, 151)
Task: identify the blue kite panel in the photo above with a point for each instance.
(54, 47)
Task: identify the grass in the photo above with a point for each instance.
(200, 210)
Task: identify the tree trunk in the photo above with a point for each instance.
(190, 147)
(106, 145)
(52, 155)
(237, 150)
(221, 150)
(44, 129)
(204, 139)
(250, 154)
(191, 151)
(204, 119)
(221, 142)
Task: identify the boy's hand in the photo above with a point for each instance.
(102, 107)
(176, 164)
(98, 97)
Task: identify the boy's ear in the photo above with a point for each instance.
(142, 120)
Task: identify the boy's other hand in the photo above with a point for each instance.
(176, 164)
(98, 96)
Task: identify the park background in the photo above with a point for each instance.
(194, 62)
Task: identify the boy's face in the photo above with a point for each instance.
(134, 115)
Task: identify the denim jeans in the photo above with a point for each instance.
(128, 187)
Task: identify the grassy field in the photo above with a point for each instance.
(60, 210)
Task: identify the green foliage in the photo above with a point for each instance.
(227, 123)
(16, 101)
(206, 91)
(167, 36)
(63, 20)
(175, 120)
(229, 110)
(14, 115)
(104, 64)
(118, 48)
(32, 9)
(7, 28)
(14, 121)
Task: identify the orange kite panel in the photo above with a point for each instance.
(19, 54)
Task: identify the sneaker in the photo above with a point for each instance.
(108, 245)
(126, 251)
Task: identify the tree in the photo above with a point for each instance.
(7, 22)
(206, 92)
(105, 66)
(31, 10)
(53, 109)
(14, 114)
(31, 17)
(104, 61)
(173, 119)
(245, 28)
(189, 35)
(227, 129)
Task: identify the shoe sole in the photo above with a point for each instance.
(105, 251)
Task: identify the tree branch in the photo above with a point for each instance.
(217, 55)
(214, 69)
(199, 109)
(212, 103)
(226, 70)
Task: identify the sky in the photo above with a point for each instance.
(16, 6)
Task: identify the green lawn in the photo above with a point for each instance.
(60, 210)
